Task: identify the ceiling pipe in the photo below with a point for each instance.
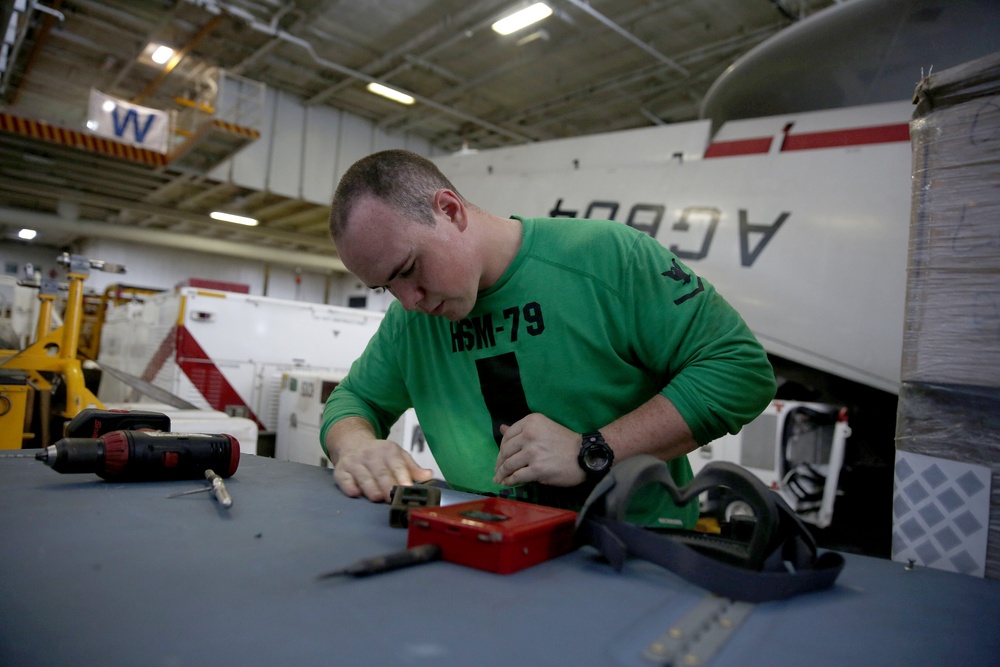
(216, 7)
(545, 108)
(585, 7)
(451, 26)
(426, 101)
(159, 238)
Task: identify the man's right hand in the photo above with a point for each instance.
(374, 468)
(365, 465)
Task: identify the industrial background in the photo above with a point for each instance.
(264, 104)
(296, 73)
(171, 307)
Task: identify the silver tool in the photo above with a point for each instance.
(218, 489)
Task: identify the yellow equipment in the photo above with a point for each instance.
(52, 358)
(13, 406)
(95, 308)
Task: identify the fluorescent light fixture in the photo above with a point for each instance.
(386, 91)
(27, 234)
(229, 217)
(522, 18)
(161, 54)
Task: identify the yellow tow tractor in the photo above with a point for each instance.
(50, 366)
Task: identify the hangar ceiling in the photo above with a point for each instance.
(590, 67)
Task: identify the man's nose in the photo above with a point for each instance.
(409, 295)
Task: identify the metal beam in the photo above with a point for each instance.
(66, 194)
(585, 7)
(160, 238)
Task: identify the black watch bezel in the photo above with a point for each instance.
(594, 447)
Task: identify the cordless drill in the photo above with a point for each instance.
(132, 446)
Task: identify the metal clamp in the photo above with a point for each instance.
(405, 498)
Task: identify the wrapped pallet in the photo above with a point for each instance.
(946, 500)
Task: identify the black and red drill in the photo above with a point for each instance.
(138, 446)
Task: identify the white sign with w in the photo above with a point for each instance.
(129, 123)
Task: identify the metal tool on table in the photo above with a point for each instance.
(217, 488)
(406, 498)
(394, 561)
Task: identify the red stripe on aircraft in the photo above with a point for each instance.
(859, 136)
(739, 147)
(880, 134)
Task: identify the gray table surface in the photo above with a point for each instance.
(118, 574)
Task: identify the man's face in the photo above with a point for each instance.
(432, 269)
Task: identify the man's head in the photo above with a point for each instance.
(400, 179)
(399, 224)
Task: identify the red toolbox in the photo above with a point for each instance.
(494, 534)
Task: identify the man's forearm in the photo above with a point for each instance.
(345, 433)
(655, 427)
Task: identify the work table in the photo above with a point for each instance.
(93, 572)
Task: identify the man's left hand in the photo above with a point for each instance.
(537, 449)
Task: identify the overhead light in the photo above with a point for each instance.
(229, 217)
(522, 18)
(27, 234)
(157, 55)
(161, 54)
(392, 94)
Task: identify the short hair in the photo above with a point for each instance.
(402, 179)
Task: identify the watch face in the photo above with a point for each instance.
(595, 455)
(595, 458)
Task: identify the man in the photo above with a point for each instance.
(536, 352)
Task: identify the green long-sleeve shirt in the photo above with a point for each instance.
(590, 320)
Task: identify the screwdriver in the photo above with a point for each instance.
(425, 553)
(218, 489)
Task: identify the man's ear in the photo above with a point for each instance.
(449, 204)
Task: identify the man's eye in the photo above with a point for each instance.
(408, 270)
(378, 290)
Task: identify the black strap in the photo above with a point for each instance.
(780, 560)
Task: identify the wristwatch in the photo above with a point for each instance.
(595, 455)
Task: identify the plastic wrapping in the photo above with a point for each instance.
(952, 322)
(949, 404)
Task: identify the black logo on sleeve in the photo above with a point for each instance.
(680, 275)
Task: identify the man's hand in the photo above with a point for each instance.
(374, 467)
(537, 449)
